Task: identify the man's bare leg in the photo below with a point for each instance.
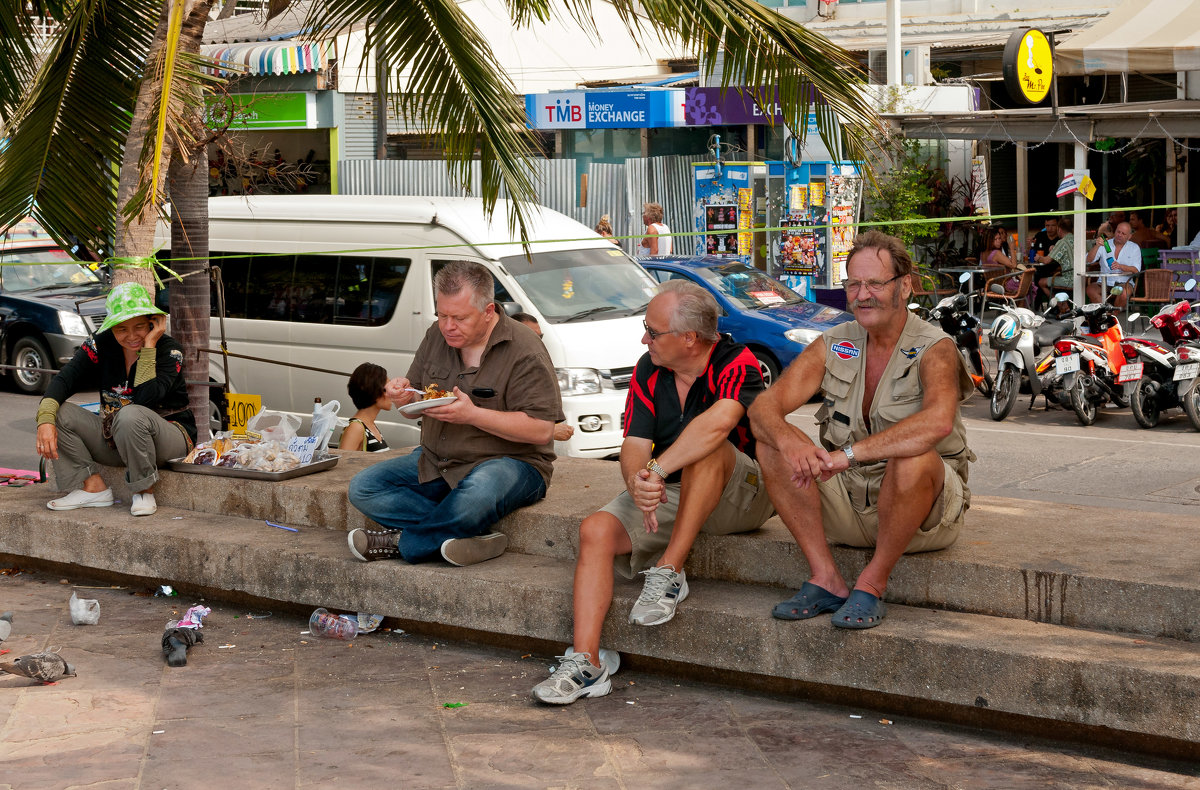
(602, 538)
(800, 510)
(699, 494)
(910, 487)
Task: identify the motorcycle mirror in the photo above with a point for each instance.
(1190, 285)
(914, 306)
(1116, 289)
(1053, 301)
(1062, 296)
(1133, 317)
(965, 277)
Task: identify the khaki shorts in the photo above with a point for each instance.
(744, 506)
(846, 525)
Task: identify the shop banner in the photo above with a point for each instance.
(261, 111)
(714, 107)
(640, 109)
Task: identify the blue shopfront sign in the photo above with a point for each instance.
(631, 109)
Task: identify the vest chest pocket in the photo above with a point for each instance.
(834, 411)
(905, 398)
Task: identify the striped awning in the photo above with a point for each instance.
(275, 57)
(1138, 36)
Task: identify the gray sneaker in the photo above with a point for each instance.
(664, 589)
(575, 677)
(468, 551)
(374, 544)
(609, 659)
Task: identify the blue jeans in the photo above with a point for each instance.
(390, 492)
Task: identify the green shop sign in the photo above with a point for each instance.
(261, 111)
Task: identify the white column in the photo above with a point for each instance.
(1022, 196)
(1080, 228)
(1182, 234)
(1172, 190)
(894, 77)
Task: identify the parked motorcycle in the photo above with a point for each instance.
(1024, 342)
(1094, 365)
(953, 315)
(1169, 368)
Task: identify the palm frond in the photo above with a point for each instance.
(66, 133)
(456, 87)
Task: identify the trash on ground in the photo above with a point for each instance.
(192, 618)
(885, 721)
(367, 622)
(179, 638)
(855, 716)
(166, 591)
(158, 732)
(257, 615)
(630, 702)
(6, 620)
(331, 626)
(454, 704)
(225, 647)
(279, 526)
(84, 611)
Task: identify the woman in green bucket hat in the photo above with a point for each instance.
(144, 418)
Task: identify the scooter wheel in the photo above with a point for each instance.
(1144, 403)
(1004, 396)
(1191, 406)
(1085, 409)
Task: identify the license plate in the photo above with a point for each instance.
(1185, 372)
(1130, 372)
(1068, 363)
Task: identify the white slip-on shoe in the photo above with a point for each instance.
(80, 498)
(143, 505)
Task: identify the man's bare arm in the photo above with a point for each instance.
(768, 414)
(703, 435)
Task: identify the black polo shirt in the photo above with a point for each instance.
(1042, 244)
(653, 410)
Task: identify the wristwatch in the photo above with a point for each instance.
(849, 451)
(656, 468)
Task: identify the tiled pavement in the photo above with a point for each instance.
(282, 709)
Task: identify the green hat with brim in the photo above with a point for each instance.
(127, 300)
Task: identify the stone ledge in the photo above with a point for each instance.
(1149, 688)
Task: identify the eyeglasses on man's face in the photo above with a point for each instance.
(654, 333)
(874, 286)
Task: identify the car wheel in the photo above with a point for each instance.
(768, 366)
(28, 354)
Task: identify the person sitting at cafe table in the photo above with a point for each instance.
(1057, 262)
(1125, 258)
(1145, 236)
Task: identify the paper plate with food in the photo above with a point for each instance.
(433, 396)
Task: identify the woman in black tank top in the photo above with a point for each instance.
(366, 388)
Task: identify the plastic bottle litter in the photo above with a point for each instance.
(330, 626)
(84, 611)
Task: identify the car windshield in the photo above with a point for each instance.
(53, 269)
(582, 285)
(748, 287)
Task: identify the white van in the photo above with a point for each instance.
(334, 281)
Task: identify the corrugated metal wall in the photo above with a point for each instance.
(614, 189)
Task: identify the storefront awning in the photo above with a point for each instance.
(276, 57)
(1138, 36)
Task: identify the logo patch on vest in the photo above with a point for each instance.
(911, 353)
(845, 350)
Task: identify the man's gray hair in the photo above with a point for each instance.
(457, 275)
(695, 309)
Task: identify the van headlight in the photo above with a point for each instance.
(71, 323)
(578, 381)
(802, 336)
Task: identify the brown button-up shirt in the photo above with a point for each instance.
(517, 368)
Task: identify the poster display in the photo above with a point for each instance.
(720, 229)
(745, 238)
(799, 249)
(843, 208)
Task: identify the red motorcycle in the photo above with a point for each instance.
(1169, 369)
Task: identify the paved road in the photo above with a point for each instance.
(261, 704)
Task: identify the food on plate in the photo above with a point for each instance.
(270, 456)
(433, 392)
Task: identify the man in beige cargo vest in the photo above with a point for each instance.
(891, 467)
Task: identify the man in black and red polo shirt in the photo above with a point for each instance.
(688, 465)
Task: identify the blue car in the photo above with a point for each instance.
(774, 321)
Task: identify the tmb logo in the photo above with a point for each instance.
(563, 110)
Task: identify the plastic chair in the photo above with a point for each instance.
(1021, 295)
(931, 284)
(1156, 287)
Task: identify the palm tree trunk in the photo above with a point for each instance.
(190, 298)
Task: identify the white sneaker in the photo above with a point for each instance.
(80, 498)
(663, 590)
(575, 677)
(609, 659)
(143, 505)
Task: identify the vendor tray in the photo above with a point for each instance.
(178, 465)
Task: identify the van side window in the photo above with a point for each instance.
(312, 289)
(501, 292)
